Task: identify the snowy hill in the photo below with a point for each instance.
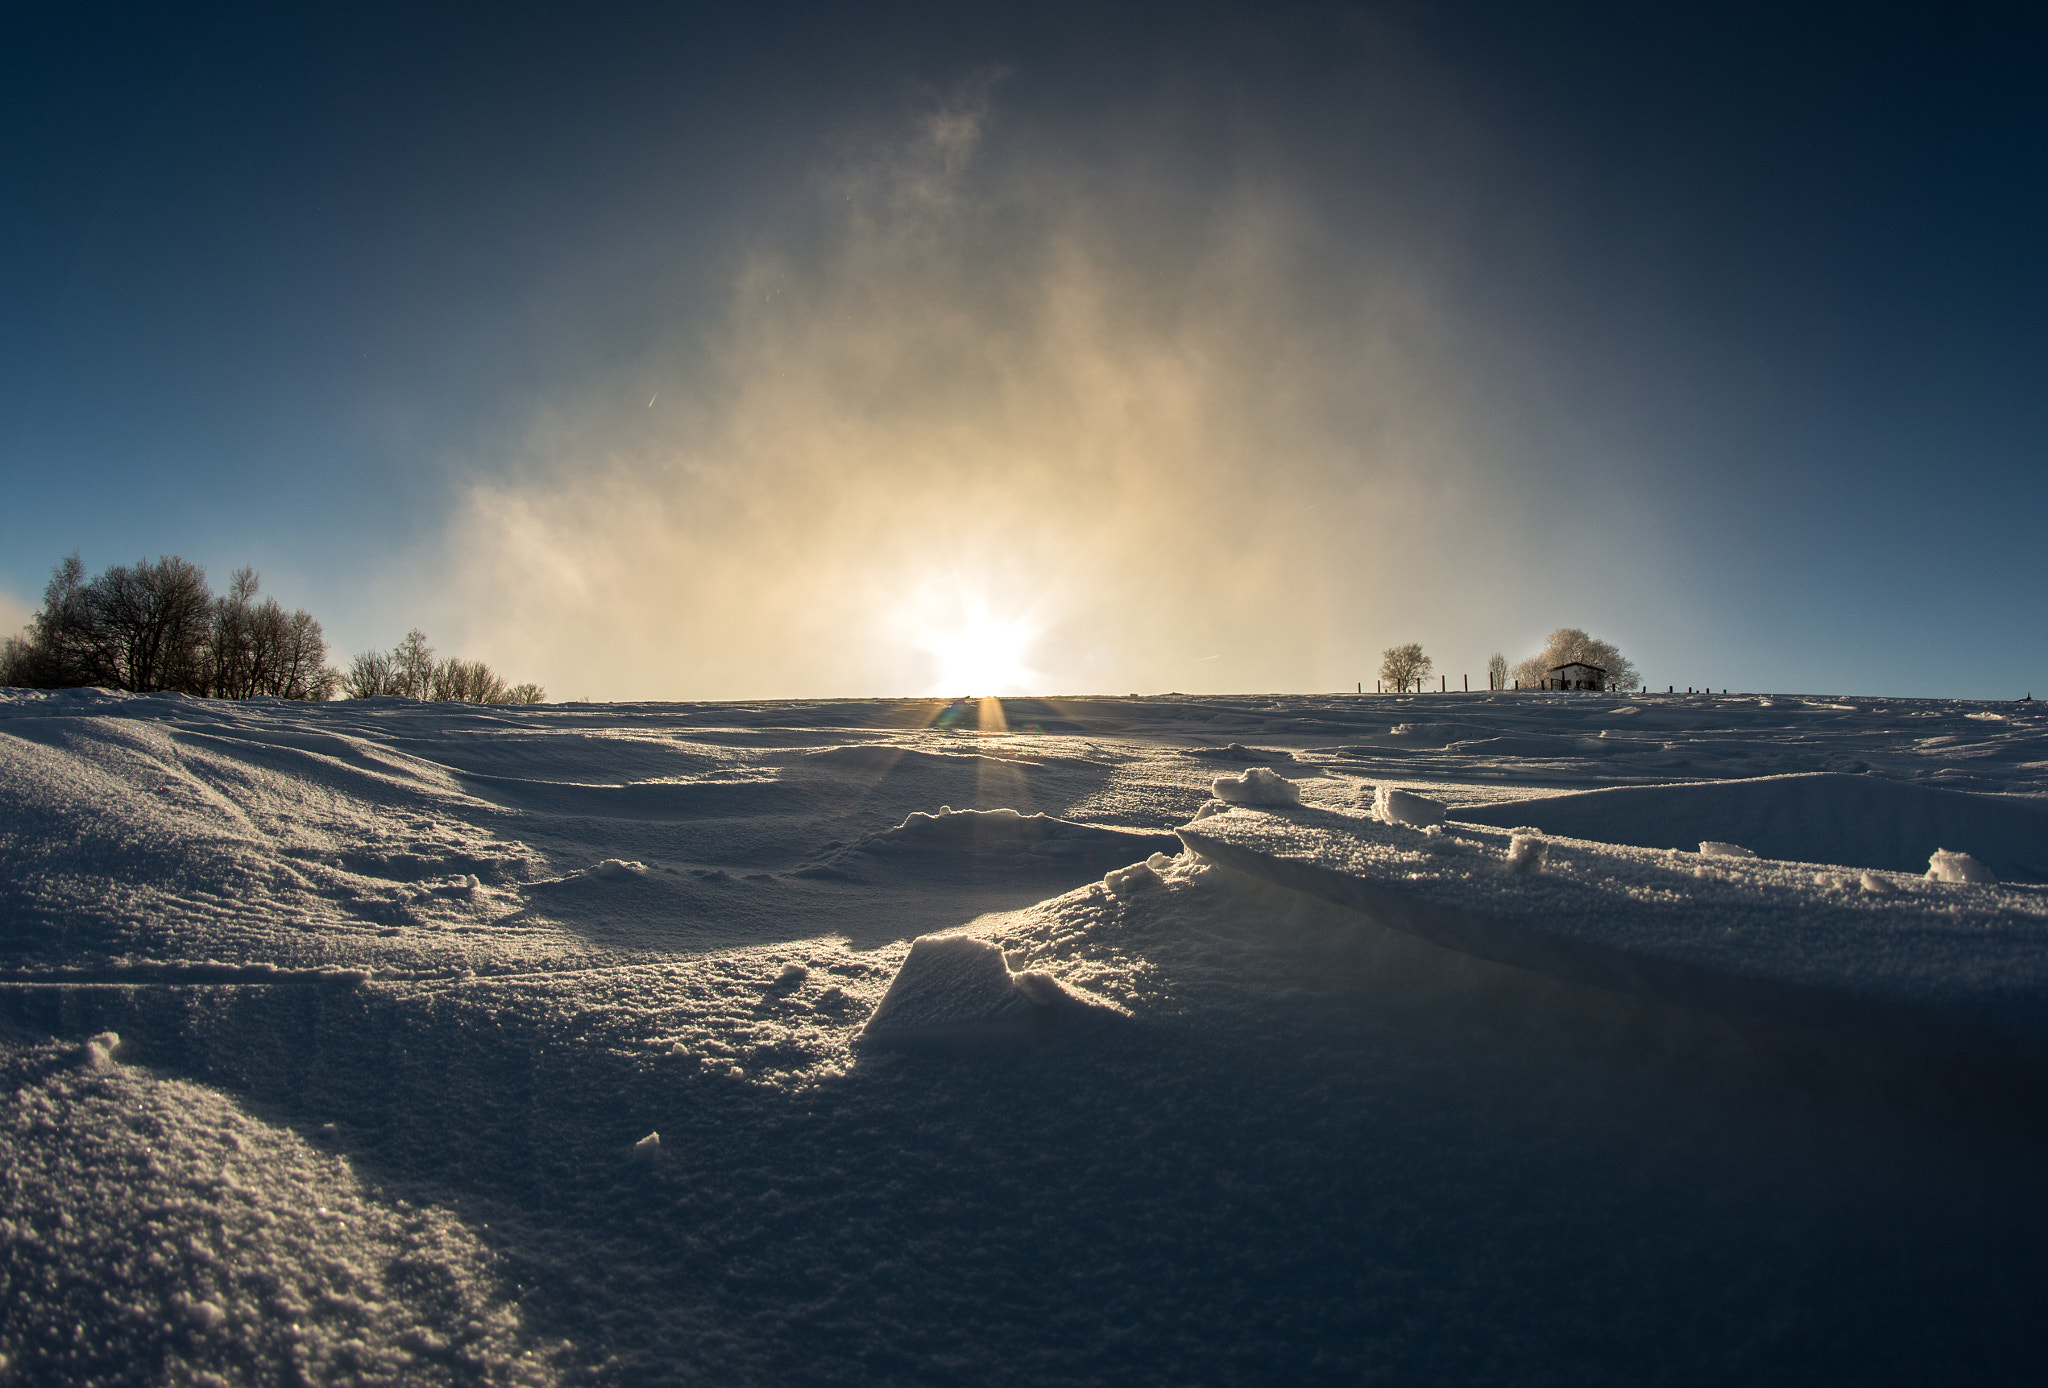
(413, 1042)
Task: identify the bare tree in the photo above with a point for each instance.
(1569, 644)
(302, 668)
(151, 624)
(1497, 671)
(157, 626)
(61, 648)
(468, 681)
(410, 671)
(1401, 666)
(368, 677)
(412, 667)
(17, 662)
(258, 649)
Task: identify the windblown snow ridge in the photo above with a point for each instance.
(1949, 966)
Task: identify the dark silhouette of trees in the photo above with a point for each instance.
(149, 627)
(257, 648)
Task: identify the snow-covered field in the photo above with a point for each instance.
(394, 1042)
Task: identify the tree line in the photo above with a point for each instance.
(148, 628)
(410, 671)
(1405, 667)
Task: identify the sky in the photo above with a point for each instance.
(753, 351)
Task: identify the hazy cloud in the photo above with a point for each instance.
(14, 613)
(1020, 391)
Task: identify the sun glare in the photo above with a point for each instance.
(980, 655)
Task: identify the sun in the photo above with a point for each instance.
(980, 654)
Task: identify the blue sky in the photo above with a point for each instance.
(741, 351)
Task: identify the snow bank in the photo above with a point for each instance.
(1819, 817)
(1256, 786)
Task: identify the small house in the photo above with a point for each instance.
(1576, 675)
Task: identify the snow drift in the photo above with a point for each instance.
(1963, 969)
(957, 987)
(1819, 817)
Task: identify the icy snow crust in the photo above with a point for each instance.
(337, 1039)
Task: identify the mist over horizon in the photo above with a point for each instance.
(1170, 452)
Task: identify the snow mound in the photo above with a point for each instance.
(1257, 786)
(1714, 848)
(957, 987)
(171, 1236)
(1396, 806)
(1814, 817)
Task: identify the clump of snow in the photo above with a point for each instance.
(618, 870)
(1527, 852)
(1135, 878)
(1877, 884)
(1714, 848)
(792, 976)
(1945, 866)
(1211, 807)
(648, 1147)
(1396, 806)
(1257, 786)
(101, 1052)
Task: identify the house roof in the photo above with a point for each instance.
(1578, 665)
